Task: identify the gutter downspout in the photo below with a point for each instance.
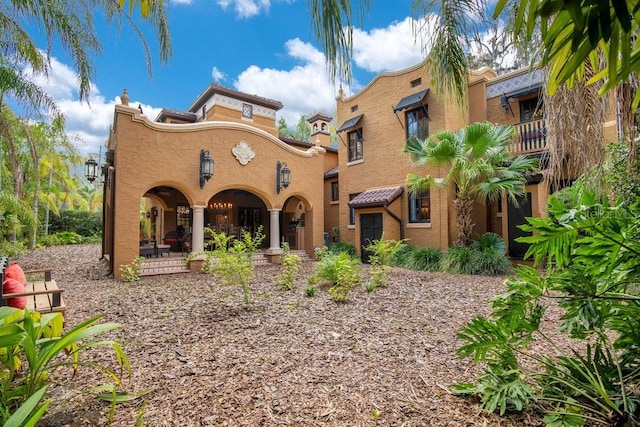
(394, 216)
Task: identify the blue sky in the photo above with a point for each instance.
(262, 47)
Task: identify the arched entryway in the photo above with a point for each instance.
(165, 216)
(235, 212)
(293, 224)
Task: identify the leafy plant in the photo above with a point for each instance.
(33, 346)
(341, 271)
(291, 266)
(131, 272)
(457, 260)
(62, 238)
(592, 253)
(382, 253)
(310, 291)
(339, 247)
(424, 259)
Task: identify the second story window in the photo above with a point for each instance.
(531, 109)
(355, 145)
(335, 192)
(420, 207)
(418, 123)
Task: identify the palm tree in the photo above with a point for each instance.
(480, 166)
(70, 24)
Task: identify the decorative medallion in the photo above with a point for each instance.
(243, 153)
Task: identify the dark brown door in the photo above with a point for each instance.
(516, 216)
(370, 230)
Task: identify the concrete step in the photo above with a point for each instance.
(157, 266)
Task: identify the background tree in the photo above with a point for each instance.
(302, 131)
(479, 165)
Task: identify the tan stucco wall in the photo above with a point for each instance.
(149, 154)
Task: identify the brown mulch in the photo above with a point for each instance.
(383, 358)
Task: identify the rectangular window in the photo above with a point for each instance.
(355, 145)
(420, 207)
(531, 109)
(418, 122)
(352, 211)
(335, 194)
(416, 82)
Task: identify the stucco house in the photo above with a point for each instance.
(222, 164)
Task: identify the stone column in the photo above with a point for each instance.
(274, 232)
(197, 233)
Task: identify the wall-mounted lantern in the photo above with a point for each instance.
(91, 170)
(283, 176)
(206, 167)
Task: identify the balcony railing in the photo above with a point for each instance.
(532, 137)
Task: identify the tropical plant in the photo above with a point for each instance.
(382, 253)
(290, 267)
(131, 272)
(34, 346)
(338, 247)
(592, 253)
(235, 267)
(424, 259)
(479, 165)
(341, 271)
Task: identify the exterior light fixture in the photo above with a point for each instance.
(206, 167)
(91, 170)
(283, 176)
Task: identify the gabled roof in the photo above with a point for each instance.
(376, 197)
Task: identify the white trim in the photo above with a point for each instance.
(419, 225)
(355, 162)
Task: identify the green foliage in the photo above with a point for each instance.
(457, 260)
(485, 256)
(341, 271)
(402, 256)
(62, 238)
(131, 272)
(12, 249)
(310, 291)
(84, 223)
(338, 247)
(382, 253)
(593, 272)
(33, 346)
(424, 259)
(234, 264)
(291, 266)
(622, 181)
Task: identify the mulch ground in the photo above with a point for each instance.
(386, 357)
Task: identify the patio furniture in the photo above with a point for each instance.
(185, 244)
(173, 239)
(41, 291)
(148, 248)
(163, 249)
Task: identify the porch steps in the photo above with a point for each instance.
(173, 265)
(154, 267)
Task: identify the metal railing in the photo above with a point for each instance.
(531, 137)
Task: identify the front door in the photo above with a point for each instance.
(516, 216)
(370, 230)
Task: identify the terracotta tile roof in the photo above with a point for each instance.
(331, 173)
(376, 197)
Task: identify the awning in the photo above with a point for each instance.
(351, 123)
(375, 198)
(523, 91)
(411, 100)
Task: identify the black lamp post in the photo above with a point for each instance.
(91, 170)
(206, 167)
(283, 176)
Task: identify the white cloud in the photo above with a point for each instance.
(392, 48)
(304, 89)
(217, 75)
(245, 8)
(86, 123)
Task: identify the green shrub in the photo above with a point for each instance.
(62, 238)
(489, 263)
(12, 249)
(424, 259)
(341, 271)
(84, 223)
(489, 242)
(339, 247)
(291, 266)
(402, 257)
(310, 291)
(592, 254)
(33, 345)
(457, 260)
(382, 252)
(131, 272)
